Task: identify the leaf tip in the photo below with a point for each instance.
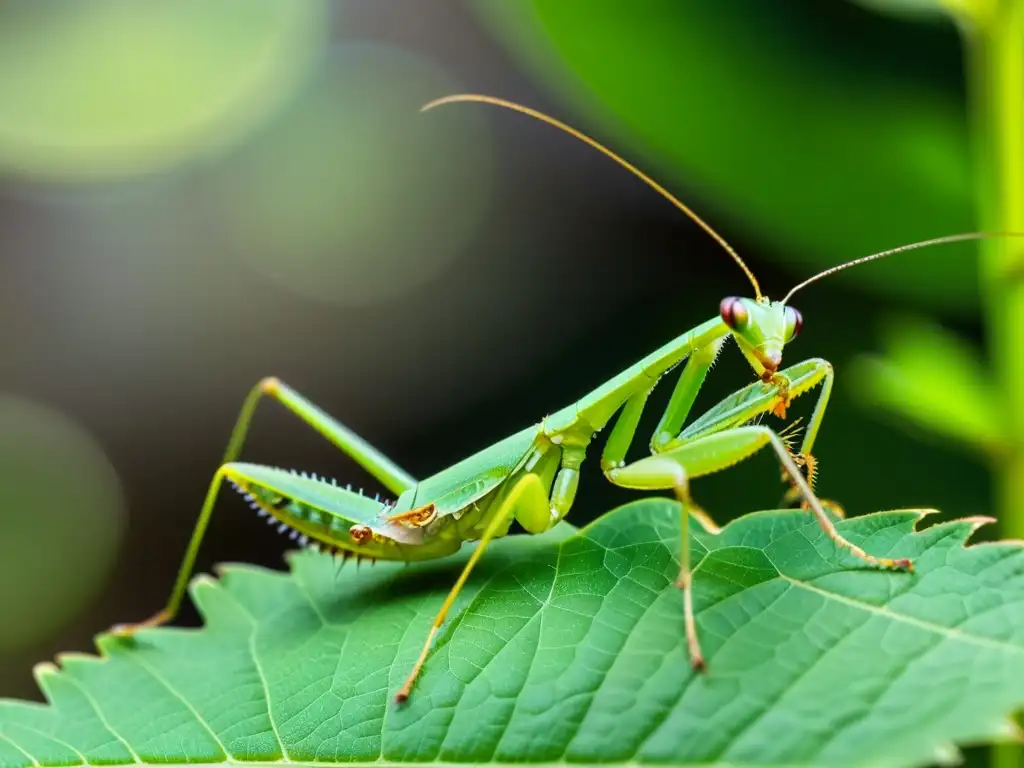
(73, 657)
(203, 581)
(974, 522)
(947, 754)
(921, 513)
(108, 643)
(70, 660)
(911, 517)
(965, 527)
(223, 570)
(916, 513)
(1008, 730)
(43, 670)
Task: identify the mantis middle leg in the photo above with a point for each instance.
(393, 477)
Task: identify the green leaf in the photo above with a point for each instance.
(568, 648)
(821, 151)
(935, 380)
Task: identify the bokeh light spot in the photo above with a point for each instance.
(107, 87)
(351, 195)
(62, 510)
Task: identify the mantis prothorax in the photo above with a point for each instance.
(531, 477)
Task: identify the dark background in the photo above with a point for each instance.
(434, 281)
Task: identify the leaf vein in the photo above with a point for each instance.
(85, 760)
(138, 659)
(102, 718)
(18, 747)
(259, 671)
(911, 620)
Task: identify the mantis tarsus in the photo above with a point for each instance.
(531, 477)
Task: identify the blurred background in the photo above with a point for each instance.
(194, 195)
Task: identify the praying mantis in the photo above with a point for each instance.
(531, 477)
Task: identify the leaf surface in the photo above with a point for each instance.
(566, 649)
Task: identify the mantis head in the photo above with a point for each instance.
(761, 329)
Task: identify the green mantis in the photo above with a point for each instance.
(531, 476)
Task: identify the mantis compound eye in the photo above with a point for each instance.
(733, 313)
(794, 322)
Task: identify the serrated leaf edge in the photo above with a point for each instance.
(1005, 730)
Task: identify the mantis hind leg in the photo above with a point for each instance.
(185, 570)
(527, 497)
(393, 477)
(373, 461)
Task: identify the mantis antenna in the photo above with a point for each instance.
(891, 251)
(472, 97)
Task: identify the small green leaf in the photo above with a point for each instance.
(936, 381)
(566, 649)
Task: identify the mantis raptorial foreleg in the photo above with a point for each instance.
(773, 396)
(702, 456)
(369, 458)
(812, 370)
(527, 498)
(718, 440)
(683, 395)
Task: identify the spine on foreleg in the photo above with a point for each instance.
(708, 354)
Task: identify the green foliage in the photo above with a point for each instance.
(69, 74)
(861, 147)
(919, 8)
(568, 648)
(937, 381)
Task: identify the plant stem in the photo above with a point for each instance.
(998, 73)
(995, 49)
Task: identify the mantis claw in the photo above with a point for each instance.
(904, 564)
(808, 465)
(129, 630)
(781, 384)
